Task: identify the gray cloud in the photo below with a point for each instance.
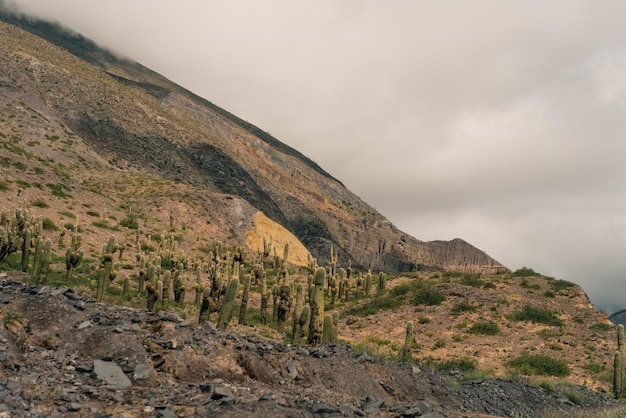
(500, 123)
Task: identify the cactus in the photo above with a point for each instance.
(159, 288)
(297, 310)
(275, 296)
(285, 254)
(180, 288)
(44, 264)
(619, 371)
(302, 324)
(11, 229)
(26, 247)
(106, 260)
(368, 283)
(167, 281)
(617, 375)
(126, 286)
(244, 299)
(316, 301)
(327, 330)
(332, 262)
(73, 256)
(141, 281)
(37, 259)
(284, 304)
(405, 354)
(227, 306)
(335, 316)
(381, 282)
(265, 297)
(152, 296)
(101, 285)
(206, 307)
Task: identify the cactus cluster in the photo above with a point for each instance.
(219, 281)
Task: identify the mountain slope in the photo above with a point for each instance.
(94, 120)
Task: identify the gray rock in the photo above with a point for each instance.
(166, 413)
(143, 372)
(111, 373)
(291, 369)
(220, 392)
(323, 408)
(74, 406)
(85, 324)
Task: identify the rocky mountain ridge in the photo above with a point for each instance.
(98, 126)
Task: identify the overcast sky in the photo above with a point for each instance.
(502, 123)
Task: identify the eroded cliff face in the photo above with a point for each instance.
(105, 113)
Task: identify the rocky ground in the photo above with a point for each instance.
(62, 354)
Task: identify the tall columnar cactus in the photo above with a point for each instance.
(26, 247)
(302, 324)
(227, 306)
(265, 297)
(244, 299)
(332, 261)
(275, 296)
(617, 375)
(167, 281)
(381, 281)
(44, 266)
(152, 295)
(284, 304)
(285, 254)
(101, 285)
(316, 300)
(299, 299)
(73, 256)
(159, 288)
(206, 307)
(368, 283)
(407, 349)
(335, 332)
(327, 333)
(107, 260)
(37, 259)
(180, 288)
(619, 372)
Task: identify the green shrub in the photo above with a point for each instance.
(130, 222)
(527, 285)
(58, 189)
(40, 204)
(525, 272)
(48, 225)
(4, 186)
(439, 344)
(379, 303)
(463, 306)
(93, 213)
(601, 326)
(484, 328)
(68, 214)
(473, 280)
(558, 285)
(539, 364)
(537, 316)
(549, 294)
(428, 297)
